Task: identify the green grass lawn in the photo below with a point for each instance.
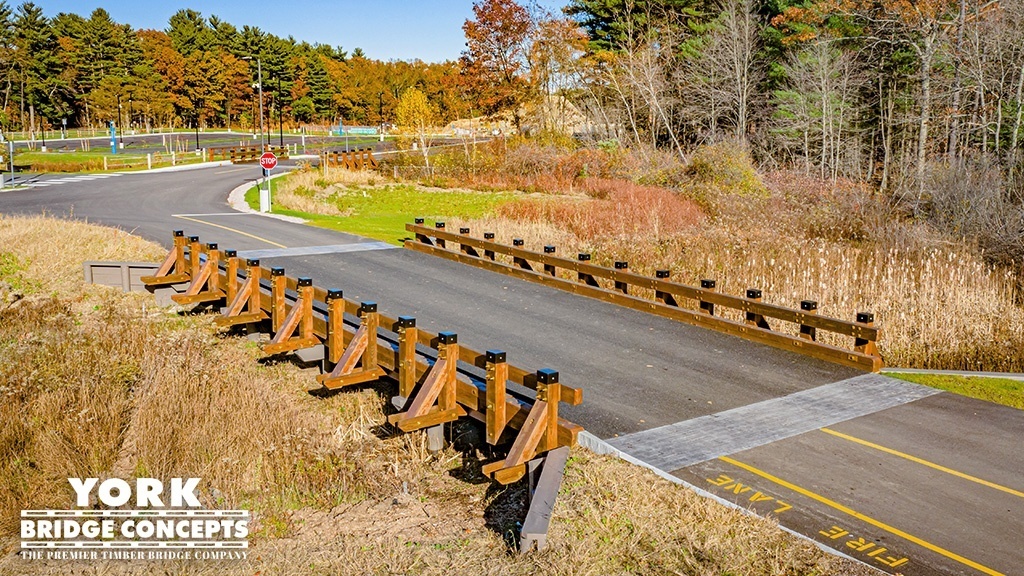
(999, 390)
(383, 212)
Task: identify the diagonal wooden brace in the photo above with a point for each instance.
(435, 401)
(205, 286)
(362, 350)
(300, 318)
(539, 433)
(173, 269)
(245, 307)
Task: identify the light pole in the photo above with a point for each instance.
(264, 194)
(380, 112)
(120, 124)
(259, 83)
(280, 112)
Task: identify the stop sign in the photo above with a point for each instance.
(268, 161)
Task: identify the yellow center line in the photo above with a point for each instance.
(253, 236)
(939, 467)
(862, 517)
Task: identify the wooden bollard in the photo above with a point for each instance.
(753, 318)
(408, 336)
(304, 286)
(489, 254)
(809, 307)
(665, 297)
(335, 327)
(497, 378)
(619, 284)
(278, 311)
(864, 345)
(549, 268)
(587, 279)
(708, 307)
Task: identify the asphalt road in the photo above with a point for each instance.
(897, 476)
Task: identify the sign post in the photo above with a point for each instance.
(268, 161)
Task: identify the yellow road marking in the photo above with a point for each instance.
(924, 462)
(862, 517)
(253, 236)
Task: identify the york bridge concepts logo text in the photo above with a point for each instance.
(163, 525)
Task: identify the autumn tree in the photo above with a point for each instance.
(415, 116)
(495, 63)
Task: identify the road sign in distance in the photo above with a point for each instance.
(268, 161)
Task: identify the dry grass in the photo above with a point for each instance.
(938, 303)
(97, 383)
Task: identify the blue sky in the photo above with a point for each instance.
(430, 30)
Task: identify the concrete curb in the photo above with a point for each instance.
(599, 446)
(182, 168)
(236, 199)
(966, 373)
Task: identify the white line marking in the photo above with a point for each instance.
(314, 250)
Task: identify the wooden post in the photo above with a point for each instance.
(753, 318)
(448, 350)
(232, 284)
(213, 256)
(809, 307)
(516, 260)
(587, 279)
(708, 307)
(335, 326)
(422, 238)
(305, 288)
(408, 336)
(371, 320)
(863, 345)
(550, 391)
(194, 249)
(179, 252)
(665, 297)
(620, 285)
(489, 254)
(278, 311)
(254, 273)
(549, 269)
(466, 248)
(440, 241)
(497, 376)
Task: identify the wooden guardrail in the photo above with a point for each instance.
(440, 379)
(581, 277)
(238, 154)
(352, 160)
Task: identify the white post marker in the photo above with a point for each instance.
(268, 161)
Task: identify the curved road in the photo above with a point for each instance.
(901, 477)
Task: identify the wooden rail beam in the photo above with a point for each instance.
(863, 356)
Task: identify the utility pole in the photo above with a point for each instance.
(259, 83)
